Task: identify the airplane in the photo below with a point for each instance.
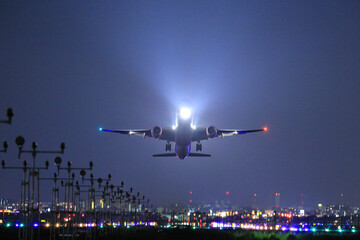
(183, 133)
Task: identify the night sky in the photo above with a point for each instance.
(69, 67)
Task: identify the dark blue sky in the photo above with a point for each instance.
(68, 67)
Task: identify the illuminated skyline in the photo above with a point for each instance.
(69, 68)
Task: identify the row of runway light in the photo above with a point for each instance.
(87, 225)
(216, 225)
(294, 228)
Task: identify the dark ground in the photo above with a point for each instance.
(198, 234)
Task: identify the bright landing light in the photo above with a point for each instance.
(185, 113)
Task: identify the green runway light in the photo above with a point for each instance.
(21, 224)
(8, 224)
(313, 229)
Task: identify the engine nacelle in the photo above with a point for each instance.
(211, 132)
(156, 132)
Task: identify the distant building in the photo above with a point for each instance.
(277, 200)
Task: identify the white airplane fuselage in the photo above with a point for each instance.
(183, 136)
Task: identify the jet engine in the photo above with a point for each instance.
(156, 132)
(211, 132)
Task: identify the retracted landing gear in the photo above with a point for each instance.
(199, 147)
(168, 147)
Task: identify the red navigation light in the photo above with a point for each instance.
(265, 129)
(191, 201)
(227, 192)
(190, 192)
(255, 195)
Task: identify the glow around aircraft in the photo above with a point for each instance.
(183, 133)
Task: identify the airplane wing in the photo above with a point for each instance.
(234, 132)
(167, 133)
(135, 132)
(201, 134)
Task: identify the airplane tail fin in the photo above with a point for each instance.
(165, 155)
(199, 155)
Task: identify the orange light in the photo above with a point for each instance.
(265, 129)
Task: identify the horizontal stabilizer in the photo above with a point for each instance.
(199, 155)
(165, 155)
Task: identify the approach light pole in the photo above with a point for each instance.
(5, 147)
(54, 204)
(91, 196)
(9, 114)
(24, 206)
(36, 172)
(34, 175)
(69, 189)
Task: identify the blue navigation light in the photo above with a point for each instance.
(36, 225)
(100, 128)
(16, 225)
